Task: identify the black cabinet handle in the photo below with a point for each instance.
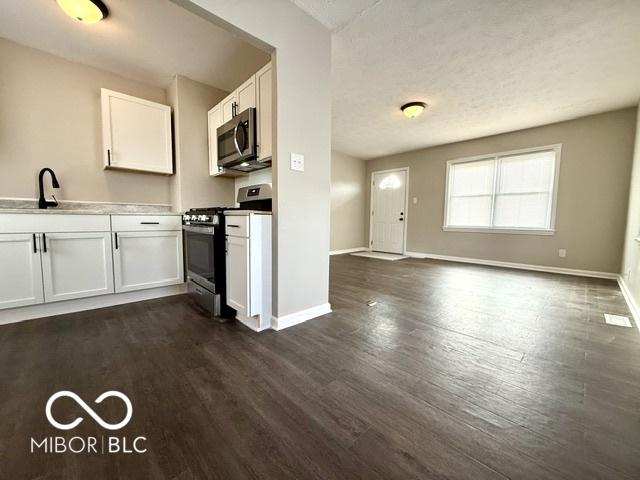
(149, 223)
(115, 234)
(109, 156)
(44, 242)
(234, 226)
(35, 248)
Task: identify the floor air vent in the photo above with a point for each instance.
(617, 320)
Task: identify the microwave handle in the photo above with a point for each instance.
(235, 138)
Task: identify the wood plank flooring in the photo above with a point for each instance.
(459, 371)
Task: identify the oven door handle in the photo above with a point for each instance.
(200, 230)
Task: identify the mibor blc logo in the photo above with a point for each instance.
(91, 444)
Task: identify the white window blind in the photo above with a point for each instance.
(471, 193)
(512, 191)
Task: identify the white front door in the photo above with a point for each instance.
(388, 215)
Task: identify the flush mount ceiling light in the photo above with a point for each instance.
(413, 109)
(85, 11)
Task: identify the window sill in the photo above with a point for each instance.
(511, 231)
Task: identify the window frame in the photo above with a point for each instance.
(550, 230)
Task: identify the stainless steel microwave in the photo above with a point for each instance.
(237, 140)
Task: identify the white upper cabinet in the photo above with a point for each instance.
(136, 133)
(76, 265)
(246, 95)
(256, 92)
(215, 120)
(264, 92)
(21, 279)
(228, 107)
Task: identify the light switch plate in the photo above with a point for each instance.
(562, 253)
(297, 162)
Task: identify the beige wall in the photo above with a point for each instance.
(302, 61)
(50, 116)
(348, 203)
(631, 259)
(191, 185)
(592, 195)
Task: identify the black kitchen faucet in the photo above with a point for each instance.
(42, 202)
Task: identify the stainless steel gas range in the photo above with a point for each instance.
(205, 249)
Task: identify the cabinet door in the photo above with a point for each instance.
(264, 86)
(238, 274)
(136, 133)
(215, 120)
(76, 265)
(228, 107)
(21, 279)
(147, 259)
(246, 94)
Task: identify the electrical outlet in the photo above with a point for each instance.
(562, 253)
(415, 200)
(297, 162)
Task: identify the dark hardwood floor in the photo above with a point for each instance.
(459, 371)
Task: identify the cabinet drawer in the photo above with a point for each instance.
(52, 223)
(142, 223)
(237, 225)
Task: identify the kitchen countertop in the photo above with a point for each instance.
(66, 207)
(60, 211)
(246, 212)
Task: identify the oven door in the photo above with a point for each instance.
(237, 139)
(200, 259)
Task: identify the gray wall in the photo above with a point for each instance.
(50, 116)
(631, 261)
(191, 184)
(348, 203)
(302, 61)
(593, 190)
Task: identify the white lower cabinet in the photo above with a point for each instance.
(54, 257)
(249, 268)
(147, 259)
(76, 265)
(21, 279)
(238, 290)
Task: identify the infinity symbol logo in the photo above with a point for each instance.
(89, 410)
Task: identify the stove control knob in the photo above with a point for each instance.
(186, 217)
(202, 218)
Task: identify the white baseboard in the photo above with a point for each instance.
(348, 250)
(518, 266)
(633, 306)
(286, 321)
(69, 306)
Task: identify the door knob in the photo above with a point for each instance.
(401, 219)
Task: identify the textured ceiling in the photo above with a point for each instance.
(146, 40)
(483, 66)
